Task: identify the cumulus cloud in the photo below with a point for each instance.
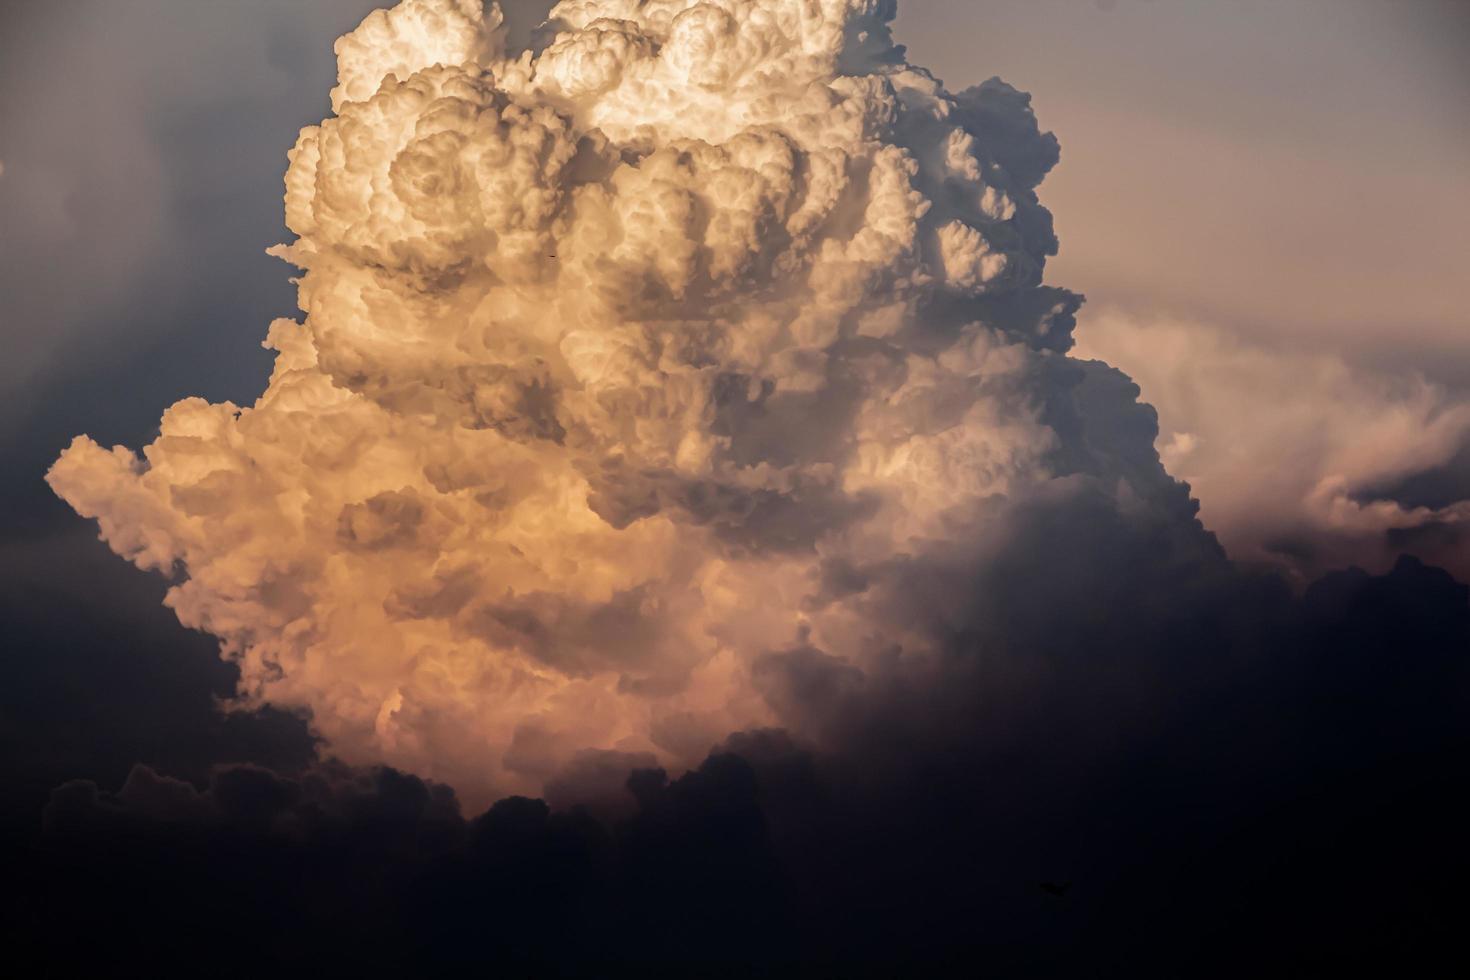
(1300, 458)
(644, 376)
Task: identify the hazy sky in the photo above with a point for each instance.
(1294, 170)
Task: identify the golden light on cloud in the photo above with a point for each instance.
(627, 361)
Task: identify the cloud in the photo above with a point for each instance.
(679, 430)
(1300, 458)
(614, 349)
(1288, 777)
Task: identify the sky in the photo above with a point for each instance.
(1266, 206)
(1286, 171)
(754, 467)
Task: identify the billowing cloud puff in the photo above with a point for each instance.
(641, 372)
(1301, 458)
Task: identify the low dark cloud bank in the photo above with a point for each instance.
(1193, 779)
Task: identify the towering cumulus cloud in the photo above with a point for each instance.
(680, 375)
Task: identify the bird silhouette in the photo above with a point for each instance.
(1056, 889)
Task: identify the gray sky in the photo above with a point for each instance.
(1286, 167)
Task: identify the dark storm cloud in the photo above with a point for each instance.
(1203, 774)
(98, 676)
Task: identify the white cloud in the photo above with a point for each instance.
(621, 362)
(1293, 453)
